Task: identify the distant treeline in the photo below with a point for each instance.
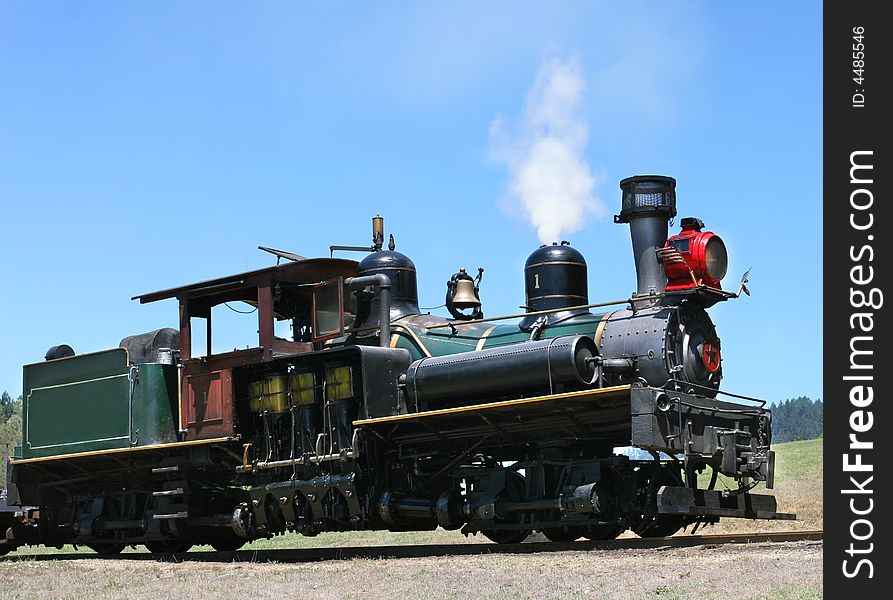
(10, 429)
(796, 419)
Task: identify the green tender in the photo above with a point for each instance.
(84, 404)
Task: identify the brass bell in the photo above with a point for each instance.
(465, 296)
(462, 294)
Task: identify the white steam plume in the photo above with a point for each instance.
(550, 178)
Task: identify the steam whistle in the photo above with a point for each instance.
(377, 233)
(377, 240)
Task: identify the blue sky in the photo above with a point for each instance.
(145, 145)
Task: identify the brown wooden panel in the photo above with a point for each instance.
(185, 331)
(265, 320)
(224, 360)
(286, 347)
(208, 400)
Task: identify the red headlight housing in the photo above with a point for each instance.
(694, 257)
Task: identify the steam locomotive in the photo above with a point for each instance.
(372, 415)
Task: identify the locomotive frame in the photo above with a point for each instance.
(375, 416)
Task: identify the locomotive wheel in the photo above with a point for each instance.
(168, 546)
(514, 490)
(228, 544)
(505, 536)
(661, 525)
(564, 534)
(106, 549)
(609, 492)
(608, 531)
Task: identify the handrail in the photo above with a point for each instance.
(548, 311)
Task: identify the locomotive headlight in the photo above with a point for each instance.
(694, 257)
(716, 259)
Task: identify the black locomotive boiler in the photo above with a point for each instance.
(372, 415)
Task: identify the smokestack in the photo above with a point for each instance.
(649, 202)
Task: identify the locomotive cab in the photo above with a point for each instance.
(308, 294)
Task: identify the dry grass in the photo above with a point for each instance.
(759, 571)
(324, 540)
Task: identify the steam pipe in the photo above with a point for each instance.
(380, 281)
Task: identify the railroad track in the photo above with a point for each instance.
(286, 555)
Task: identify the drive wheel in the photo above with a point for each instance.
(514, 491)
(168, 546)
(505, 536)
(228, 544)
(607, 531)
(651, 524)
(663, 526)
(107, 549)
(564, 534)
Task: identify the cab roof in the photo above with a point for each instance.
(243, 286)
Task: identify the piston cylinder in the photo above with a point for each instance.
(269, 394)
(302, 385)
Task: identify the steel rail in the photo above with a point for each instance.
(302, 555)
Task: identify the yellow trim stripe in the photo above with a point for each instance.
(491, 405)
(555, 262)
(601, 328)
(414, 337)
(483, 339)
(24, 461)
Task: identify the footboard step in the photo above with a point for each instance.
(673, 500)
